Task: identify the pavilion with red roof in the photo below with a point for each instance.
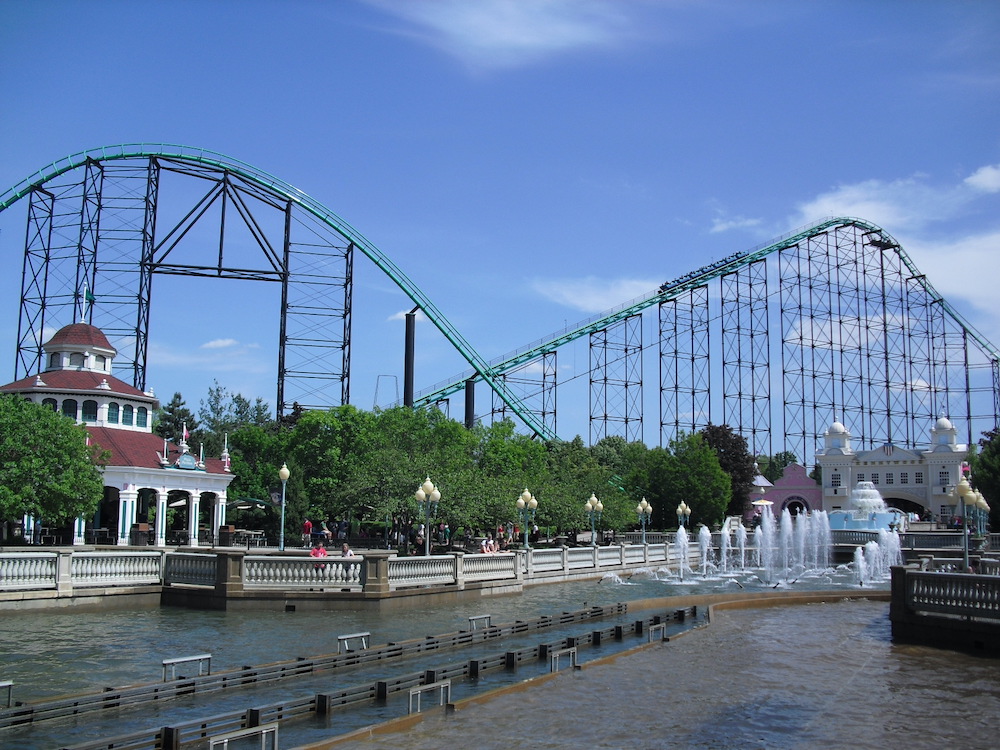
(155, 491)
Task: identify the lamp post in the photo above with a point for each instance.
(645, 511)
(526, 506)
(593, 508)
(982, 514)
(683, 513)
(283, 474)
(964, 491)
(427, 496)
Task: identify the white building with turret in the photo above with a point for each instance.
(912, 480)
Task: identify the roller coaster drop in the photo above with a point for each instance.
(835, 318)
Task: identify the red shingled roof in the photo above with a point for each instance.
(77, 380)
(80, 334)
(140, 449)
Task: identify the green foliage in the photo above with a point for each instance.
(47, 469)
(223, 413)
(772, 467)
(171, 419)
(735, 459)
(985, 471)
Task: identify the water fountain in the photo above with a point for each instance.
(705, 547)
(681, 552)
(868, 511)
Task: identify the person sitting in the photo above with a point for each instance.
(318, 550)
(346, 551)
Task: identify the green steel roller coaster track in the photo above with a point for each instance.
(487, 372)
(695, 279)
(312, 206)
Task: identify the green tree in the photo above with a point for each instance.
(985, 469)
(172, 418)
(736, 461)
(222, 413)
(773, 467)
(47, 468)
(695, 476)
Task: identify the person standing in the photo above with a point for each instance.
(307, 529)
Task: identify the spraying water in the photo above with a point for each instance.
(860, 567)
(705, 548)
(741, 544)
(681, 552)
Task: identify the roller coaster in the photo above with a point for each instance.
(829, 321)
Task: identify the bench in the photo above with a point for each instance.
(264, 731)
(485, 620)
(345, 641)
(554, 658)
(202, 659)
(443, 688)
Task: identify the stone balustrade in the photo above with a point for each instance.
(376, 573)
(954, 610)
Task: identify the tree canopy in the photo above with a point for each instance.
(47, 467)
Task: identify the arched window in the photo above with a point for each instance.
(69, 408)
(140, 416)
(89, 411)
(55, 360)
(113, 412)
(127, 415)
(51, 403)
(76, 359)
(101, 362)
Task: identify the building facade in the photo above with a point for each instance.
(912, 480)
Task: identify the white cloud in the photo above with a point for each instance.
(721, 224)
(910, 202)
(986, 179)
(593, 294)
(401, 315)
(509, 33)
(220, 344)
(960, 268)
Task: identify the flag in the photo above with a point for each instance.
(186, 433)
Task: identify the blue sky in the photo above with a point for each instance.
(527, 164)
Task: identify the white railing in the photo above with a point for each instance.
(67, 570)
(955, 594)
(265, 572)
(580, 557)
(189, 568)
(547, 560)
(28, 570)
(116, 568)
(436, 570)
(609, 556)
(489, 567)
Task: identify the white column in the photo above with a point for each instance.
(28, 524)
(79, 531)
(161, 517)
(220, 511)
(126, 513)
(194, 508)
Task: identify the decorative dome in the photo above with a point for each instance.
(80, 335)
(838, 429)
(943, 423)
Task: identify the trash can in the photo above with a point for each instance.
(139, 536)
(226, 534)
